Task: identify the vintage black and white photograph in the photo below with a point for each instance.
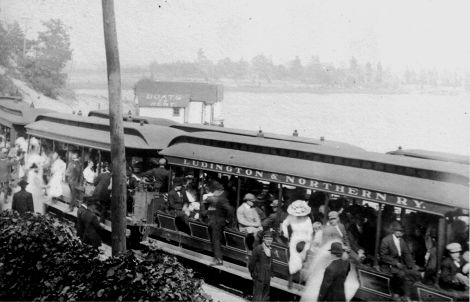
(221, 150)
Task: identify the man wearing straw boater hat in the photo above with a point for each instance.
(332, 287)
(260, 266)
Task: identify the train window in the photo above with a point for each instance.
(378, 166)
(338, 160)
(366, 164)
(176, 111)
(293, 153)
(243, 147)
(328, 159)
(390, 168)
(422, 173)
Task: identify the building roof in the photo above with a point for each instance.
(176, 94)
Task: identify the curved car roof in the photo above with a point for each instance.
(14, 111)
(94, 132)
(191, 127)
(433, 155)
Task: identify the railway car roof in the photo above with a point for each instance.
(192, 127)
(442, 193)
(351, 153)
(94, 132)
(13, 111)
(433, 155)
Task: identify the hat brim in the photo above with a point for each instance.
(304, 212)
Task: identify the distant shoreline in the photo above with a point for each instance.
(294, 89)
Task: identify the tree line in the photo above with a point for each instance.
(261, 70)
(39, 62)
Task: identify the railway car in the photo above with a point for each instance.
(412, 190)
(14, 115)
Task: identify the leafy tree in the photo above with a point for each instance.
(42, 259)
(11, 44)
(262, 67)
(296, 69)
(51, 52)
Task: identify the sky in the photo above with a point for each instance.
(399, 33)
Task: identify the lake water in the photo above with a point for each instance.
(374, 122)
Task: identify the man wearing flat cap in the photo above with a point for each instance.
(23, 200)
(335, 230)
(396, 258)
(451, 276)
(247, 216)
(260, 267)
(332, 287)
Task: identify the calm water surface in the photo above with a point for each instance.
(375, 122)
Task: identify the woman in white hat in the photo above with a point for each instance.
(300, 236)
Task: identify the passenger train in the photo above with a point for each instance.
(410, 183)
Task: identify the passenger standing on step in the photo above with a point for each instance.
(74, 177)
(220, 214)
(297, 227)
(102, 193)
(260, 266)
(332, 287)
(58, 167)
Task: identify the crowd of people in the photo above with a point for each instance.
(308, 223)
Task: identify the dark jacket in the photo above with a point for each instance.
(220, 211)
(101, 183)
(447, 279)
(260, 264)
(175, 201)
(162, 177)
(389, 254)
(357, 239)
(22, 202)
(92, 228)
(80, 227)
(332, 287)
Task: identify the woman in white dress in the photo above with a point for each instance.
(300, 235)
(36, 188)
(54, 187)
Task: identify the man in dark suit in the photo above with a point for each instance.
(175, 196)
(220, 213)
(332, 287)
(91, 226)
(101, 193)
(80, 227)
(260, 267)
(161, 174)
(23, 200)
(396, 258)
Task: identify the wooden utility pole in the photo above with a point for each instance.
(118, 199)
